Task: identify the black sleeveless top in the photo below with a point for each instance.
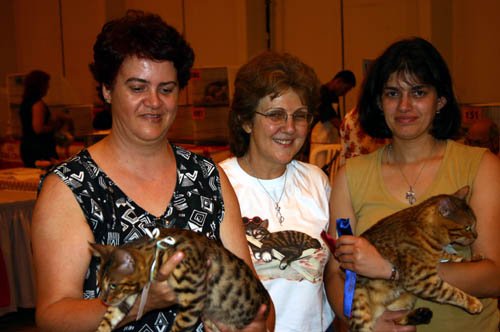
(115, 219)
(35, 146)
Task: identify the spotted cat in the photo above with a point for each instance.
(413, 240)
(289, 244)
(225, 290)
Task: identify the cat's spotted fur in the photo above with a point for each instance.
(290, 244)
(210, 281)
(413, 240)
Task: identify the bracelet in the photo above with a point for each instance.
(394, 273)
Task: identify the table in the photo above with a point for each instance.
(16, 207)
(21, 178)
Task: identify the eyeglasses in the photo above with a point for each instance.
(280, 117)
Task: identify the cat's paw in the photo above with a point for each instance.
(417, 316)
(267, 257)
(474, 306)
(449, 257)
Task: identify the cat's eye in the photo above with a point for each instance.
(112, 286)
(468, 228)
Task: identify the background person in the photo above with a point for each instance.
(284, 202)
(130, 181)
(327, 117)
(354, 140)
(408, 96)
(38, 125)
(483, 133)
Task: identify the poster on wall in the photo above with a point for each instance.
(209, 87)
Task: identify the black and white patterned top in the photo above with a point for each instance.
(115, 219)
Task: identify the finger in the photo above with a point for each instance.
(345, 239)
(211, 326)
(346, 258)
(344, 250)
(347, 266)
(261, 314)
(169, 265)
(391, 315)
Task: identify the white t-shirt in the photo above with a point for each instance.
(289, 257)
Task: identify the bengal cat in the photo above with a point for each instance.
(290, 244)
(413, 240)
(224, 290)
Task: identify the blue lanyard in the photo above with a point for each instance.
(344, 228)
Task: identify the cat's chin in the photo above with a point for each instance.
(115, 302)
(464, 241)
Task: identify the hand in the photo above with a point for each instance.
(161, 295)
(357, 254)
(160, 286)
(385, 323)
(257, 325)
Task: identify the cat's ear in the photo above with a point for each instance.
(445, 206)
(99, 250)
(125, 261)
(462, 192)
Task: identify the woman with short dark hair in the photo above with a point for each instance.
(128, 184)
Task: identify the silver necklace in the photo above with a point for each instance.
(277, 207)
(410, 195)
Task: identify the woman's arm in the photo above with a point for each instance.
(481, 278)
(340, 207)
(233, 238)
(60, 237)
(356, 254)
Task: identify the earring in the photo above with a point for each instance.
(438, 112)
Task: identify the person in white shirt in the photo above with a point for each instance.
(283, 202)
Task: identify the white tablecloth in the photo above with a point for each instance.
(16, 208)
(21, 178)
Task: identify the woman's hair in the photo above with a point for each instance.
(36, 84)
(142, 35)
(272, 74)
(413, 59)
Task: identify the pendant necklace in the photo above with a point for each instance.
(277, 207)
(410, 195)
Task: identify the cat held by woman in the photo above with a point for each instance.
(413, 240)
(210, 282)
